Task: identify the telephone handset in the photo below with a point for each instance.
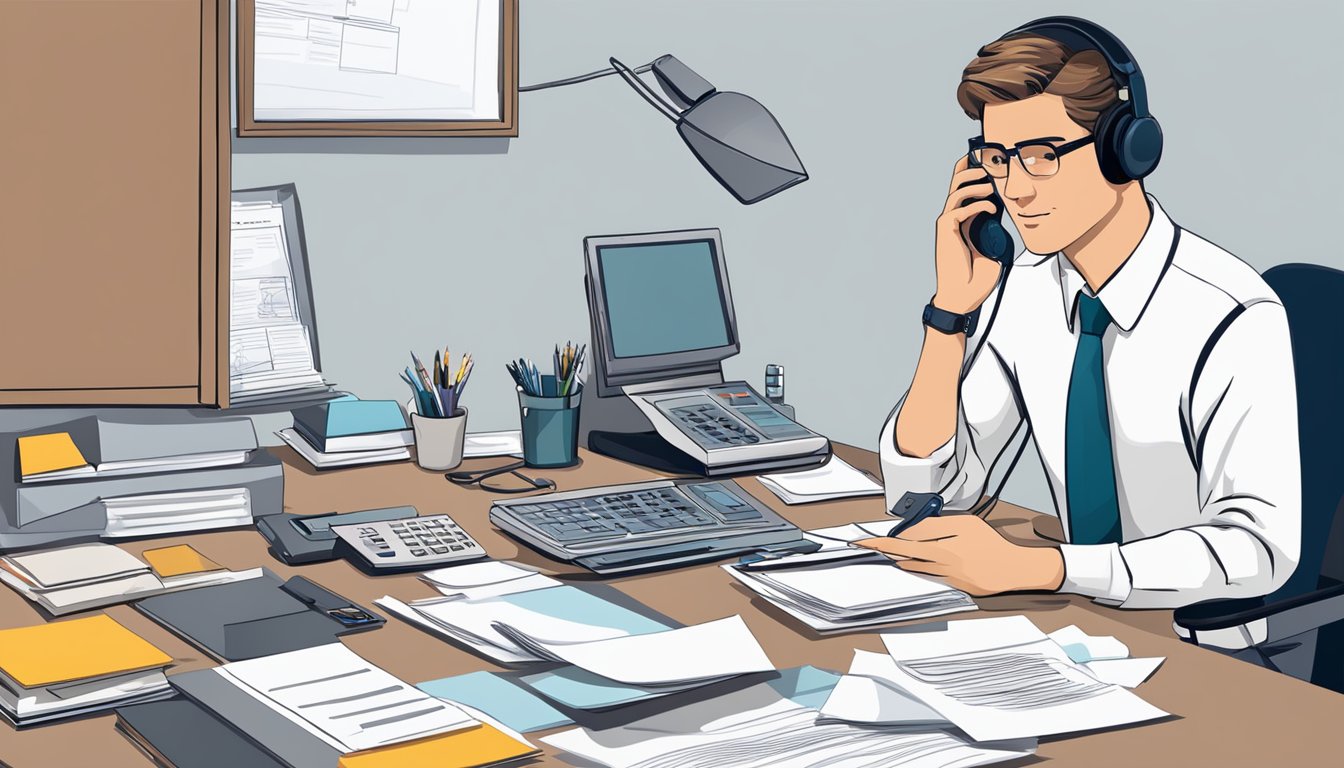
(986, 232)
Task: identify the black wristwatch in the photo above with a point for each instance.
(950, 322)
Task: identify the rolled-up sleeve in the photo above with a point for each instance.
(988, 416)
(1242, 419)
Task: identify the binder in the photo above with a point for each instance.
(258, 617)
(179, 733)
(291, 745)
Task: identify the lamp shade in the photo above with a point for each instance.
(742, 145)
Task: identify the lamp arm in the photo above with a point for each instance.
(642, 88)
(582, 78)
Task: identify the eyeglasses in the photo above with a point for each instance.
(479, 478)
(1039, 157)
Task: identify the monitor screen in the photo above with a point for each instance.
(664, 298)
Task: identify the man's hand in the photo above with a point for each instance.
(966, 277)
(968, 554)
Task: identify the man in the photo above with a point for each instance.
(1152, 368)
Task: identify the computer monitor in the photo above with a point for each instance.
(660, 307)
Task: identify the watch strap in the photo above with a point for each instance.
(950, 322)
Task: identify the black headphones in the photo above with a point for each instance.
(1128, 139)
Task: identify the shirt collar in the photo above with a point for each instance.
(1125, 295)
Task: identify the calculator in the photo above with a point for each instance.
(389, 546)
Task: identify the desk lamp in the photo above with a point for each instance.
(737, 140)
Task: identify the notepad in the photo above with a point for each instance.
(74, 650)
(833, 480)
(178, 561)
(55, 452)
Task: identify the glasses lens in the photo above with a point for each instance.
(992, 159)
(1040, 159)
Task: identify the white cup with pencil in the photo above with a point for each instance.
(437, 417)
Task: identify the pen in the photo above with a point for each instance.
(932, 506)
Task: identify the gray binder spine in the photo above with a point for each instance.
(36, 515)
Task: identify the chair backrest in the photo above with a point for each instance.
(1313, 296)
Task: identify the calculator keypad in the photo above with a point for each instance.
(428, 540)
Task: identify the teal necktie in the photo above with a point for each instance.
(1089, 465)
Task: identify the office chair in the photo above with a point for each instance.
(1299, 629)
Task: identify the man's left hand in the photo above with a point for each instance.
(968, 554)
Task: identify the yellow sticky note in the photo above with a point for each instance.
(75, 650)
(48, 453)
(179, 560)
(470, 748)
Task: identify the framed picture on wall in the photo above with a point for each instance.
(377, 67)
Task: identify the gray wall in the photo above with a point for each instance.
(477, 242)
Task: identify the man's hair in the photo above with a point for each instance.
(1020, 66)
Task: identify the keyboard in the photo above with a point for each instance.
(646, 525)
(410, 544)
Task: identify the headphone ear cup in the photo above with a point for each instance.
(1139, 146)
(1110, 131)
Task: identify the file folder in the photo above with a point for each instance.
(258, 617)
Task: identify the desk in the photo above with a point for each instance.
(1229, 712)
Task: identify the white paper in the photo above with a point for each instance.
(869, 695)
(1082, 647)
(489, 650)
(505, 443)
(1003, 679)
(343, 699)
(340, 458)
(493, 578)
(473, 622)
(712, 651)
(839, 536)
(80, 563)
(785, 603)
(755, 728)
(833, 480)
(1127, 672)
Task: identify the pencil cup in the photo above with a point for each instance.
(550, 426)
(438, 442)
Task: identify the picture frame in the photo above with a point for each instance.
(377, 68)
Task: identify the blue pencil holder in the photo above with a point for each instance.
(550, 425)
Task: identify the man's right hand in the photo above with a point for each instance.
(966, 277)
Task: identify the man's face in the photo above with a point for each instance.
(1050, 212)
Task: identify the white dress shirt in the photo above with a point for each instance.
(1203, 412)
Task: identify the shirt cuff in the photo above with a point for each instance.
(1097, 571)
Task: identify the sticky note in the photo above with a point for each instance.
(178, 561)
(48, 453)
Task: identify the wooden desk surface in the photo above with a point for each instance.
(1227, 712)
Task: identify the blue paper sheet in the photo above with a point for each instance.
(511, 704)
(574, 604)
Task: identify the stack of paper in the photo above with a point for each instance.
(508, 442)
(833, 480)
(563, 614)
(68, 668)
(493, 578)
(84, 576)
(158, 514)
(334, 459)
(867, 696)
(756, 728)
(831, 595)
(1002, 678)
(270, 350)
(688, 657)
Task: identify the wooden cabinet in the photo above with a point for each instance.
(114, 179)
